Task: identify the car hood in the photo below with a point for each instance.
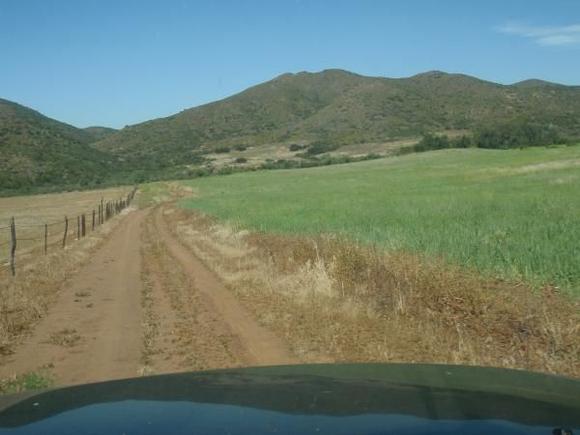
(326, 398)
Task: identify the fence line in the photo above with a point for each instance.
(96, 217)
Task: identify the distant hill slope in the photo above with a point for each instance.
(97, 133)
(342, 107)
(333, 106)
(37, 150)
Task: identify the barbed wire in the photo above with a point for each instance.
(120, 198)
(51, 239)
(56, 223)
(28, 239)
(50, 224)
(48, 239)
(18, 225)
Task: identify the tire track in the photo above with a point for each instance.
(219, 313)
(144, 304)
(93, 331)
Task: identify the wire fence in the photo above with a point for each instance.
(20, 239)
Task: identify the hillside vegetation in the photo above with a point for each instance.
(340, 107)
(510, 214)
(98, 133)
(38, 151)
(316, 113)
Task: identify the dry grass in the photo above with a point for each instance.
(32, 212)
(383, 148)
(334, 300)
(65, 337)
(33, 209)
(280, 151)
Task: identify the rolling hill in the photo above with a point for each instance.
(97, 133)
(332, 107)
(341, 107)
(37, 150)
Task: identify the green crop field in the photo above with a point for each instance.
(513, 214)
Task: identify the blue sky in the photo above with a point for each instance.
(113, 63)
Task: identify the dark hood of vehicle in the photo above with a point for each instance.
(367, 399)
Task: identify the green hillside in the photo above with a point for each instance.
(97, 133)
(330, 108)
(342, 108)
(512, 213)
(39, 151)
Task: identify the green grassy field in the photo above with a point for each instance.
(514, 214)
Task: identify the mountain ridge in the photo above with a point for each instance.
(343, 107)
(334, 107)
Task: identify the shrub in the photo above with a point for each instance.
(241, 160)
(432, 142)
(295, 147)
(319, 148)
(516, 134)
(222, 150)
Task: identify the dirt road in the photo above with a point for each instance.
(144, 304)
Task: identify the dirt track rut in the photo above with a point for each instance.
(248, 342)
(97, 329)
(93, 331)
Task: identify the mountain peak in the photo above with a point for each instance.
(431, 74)
(325, 72)
(536, 83)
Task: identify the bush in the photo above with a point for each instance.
(516, 134)
(295, 147)
(241, 160)
(432, 142)
(222, 150)
(240, 147)
(319, 148)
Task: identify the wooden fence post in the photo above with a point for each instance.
(45, 239)
(13, 246)
(102, 217)
(78, 227)
(65, 231)
(83, 225)
(93, 227)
